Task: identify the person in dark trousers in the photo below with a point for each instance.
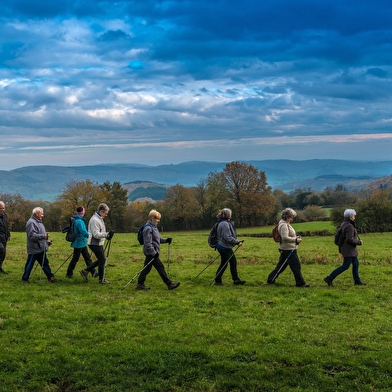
(97, 235)
(288, 250)
(80, 244)
(348, 250)
(5, 236)
(151, 248)
(227, 239)
(37, 245)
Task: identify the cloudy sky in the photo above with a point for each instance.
(153, 81)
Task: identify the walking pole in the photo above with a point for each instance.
(281, 267)
(107, 246)
(138, 273)
(54, 273)
(168, 259)
(223, 268)
(206, 267)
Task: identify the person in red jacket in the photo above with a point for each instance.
(348, 250)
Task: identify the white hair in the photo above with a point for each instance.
(349, 213)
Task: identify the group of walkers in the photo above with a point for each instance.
(94, 234)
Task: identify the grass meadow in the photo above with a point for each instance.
(77, 336)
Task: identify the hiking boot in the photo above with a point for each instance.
(104, 281)
(218, 284)
(142, 287)
(173, 285)
(84, 274)
(24, 281)
(53, 280)
(303, 285)
(359, 283)
(328, 281)
(239, 282)
(69, 276)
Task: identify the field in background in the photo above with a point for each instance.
(76, 336)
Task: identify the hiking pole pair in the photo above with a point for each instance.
(138, 273)
(283, 265)
(225, 265)
(210, 263)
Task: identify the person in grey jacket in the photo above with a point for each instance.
(152, 241)
(79, 245)
(97, 235)
(348, 250)
(227, 239)
(5, 236)
(37, 246)
(288, 250)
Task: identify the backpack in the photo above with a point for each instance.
(275, 234)
(339, 237)
(70, 236)
(213, 236)
(140, 233)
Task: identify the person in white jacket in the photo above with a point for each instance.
(96, 238)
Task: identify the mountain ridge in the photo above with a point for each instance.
(48, 181)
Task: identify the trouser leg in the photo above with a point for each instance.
(73, 262)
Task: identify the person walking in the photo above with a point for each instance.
(288, 250)
(152, 241)
(37, 245)
(5, 236)
(348, 250)
(97, 235)
(227, 239)
(79, 245)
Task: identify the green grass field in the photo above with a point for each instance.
(77, 336)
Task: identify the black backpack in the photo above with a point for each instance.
(213, 236)
(70, 236)
(339, 237)
(140, 233)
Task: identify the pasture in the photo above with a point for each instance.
(77, 336)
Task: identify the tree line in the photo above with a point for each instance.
(239, 186)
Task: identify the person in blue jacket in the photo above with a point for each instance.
(79, 245)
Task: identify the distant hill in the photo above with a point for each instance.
(46, 182)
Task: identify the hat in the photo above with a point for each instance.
(80, 211)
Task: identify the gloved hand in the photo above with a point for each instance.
(110, 235)
(169, 240)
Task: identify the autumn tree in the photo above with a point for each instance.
(249, 194)
(18, 210)
(117, 200)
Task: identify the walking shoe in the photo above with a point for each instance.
(173, 285)
(53, 280)
(360, 284)
(24, 281)
(273, 282)
(94, 274)
(142, 287)
(218, 284)
(328, 281)
(104, 281)
(303, 285)
(239, 282)
(84, 274)
(69, 276)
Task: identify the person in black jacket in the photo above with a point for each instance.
(348, 250)
(227, 239)
(5, 236)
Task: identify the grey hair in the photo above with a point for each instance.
(36, 209)
(225, 213)
(288, 213)
(103, 207)
(349, 213)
